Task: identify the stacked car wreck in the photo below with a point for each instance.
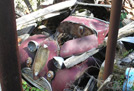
(64, 51)
(43, 61)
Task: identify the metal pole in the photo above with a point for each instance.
(112, 37)
(10, 77)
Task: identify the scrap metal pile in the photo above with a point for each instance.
(62, 46)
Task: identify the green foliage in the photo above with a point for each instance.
(26, 87)
(132, 88)
(127, 52)
(121, 80)
(123, 15)
(117, 82)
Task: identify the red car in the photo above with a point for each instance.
(74, 36)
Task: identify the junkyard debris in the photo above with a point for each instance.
(77, 45)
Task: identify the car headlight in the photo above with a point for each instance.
(33, 46)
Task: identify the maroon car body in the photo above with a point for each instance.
(86, 42)
(64, 77)
(97, 26)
